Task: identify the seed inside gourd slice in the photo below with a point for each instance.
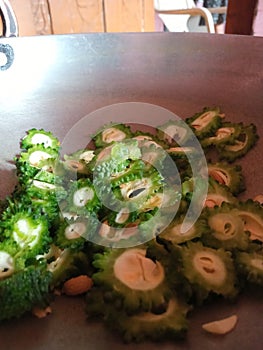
(222, 326)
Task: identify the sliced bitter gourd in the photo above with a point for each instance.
(73, 233)
(30, 232)
(228, 175)
(174, 233)
(218, 194)
(39, 137)
(153, 156)
(226, 229)
(226, 134)
(208, 271)
(112, 133)
(171, 324)
(109, 159)
(251, 213)
(167, 198)
(121, 218)
(128, 275)
(38, 157)
(242, 144)
(132, 171)
(79, 162)
(250, 266)
(168, 322)
(205, 123)
(82, 197)
(36, 189)
(119, 236)
(175, 132)
(67, 263)
(10, 262)
(140, 189)
(146, 139)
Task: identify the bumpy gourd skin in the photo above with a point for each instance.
(208, 271)
(82, 197)
(31, 161)
(175, 133)
(228, 175)
(78, 164)
(66, 264)
(168, 322)
(23, 290)
(133, 170)
(110, 133)
(227, 133)
(206, 122)
(39, 137)
(29, 231)
(139, 190)
(218, 194)
(174, 234)
(136, 281)
(140, 292)
(242, 144)
(250, 266)
(74, 232)
(227, 229)
(171, 324)
(251, 213)
(10, 259)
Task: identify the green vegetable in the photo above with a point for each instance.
(227, 133)
(251, 213)
(73, 233)
(242, 144)
(174, 233)
(218, 194)
(175, 132)
(112, 133)
(132, 171)
(226, 229)
(79, 162)
(39, 137)
(36, 158)
(10, 261)
(228, 175)
(124, 212)
(65, 264)
(24, 290)
(205, 123)
(170, 324)
(82, 197)
(129, 276)
(250, 266)
(208, 271)
(29, 231)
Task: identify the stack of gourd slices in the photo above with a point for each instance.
(115, 212)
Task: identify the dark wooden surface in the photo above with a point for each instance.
(240, 16)
(55, 81)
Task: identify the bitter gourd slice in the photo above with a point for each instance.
(205, 123)
(228, 175)
(128, 275)
(209, 271)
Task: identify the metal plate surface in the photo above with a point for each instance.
(52, 82)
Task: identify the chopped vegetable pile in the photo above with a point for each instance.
(110, 217)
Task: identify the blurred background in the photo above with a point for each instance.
(42, 17)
